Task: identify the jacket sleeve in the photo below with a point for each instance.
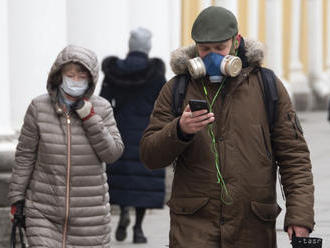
(104, 136)
(292, 155)
(160, 144)
(25, 157)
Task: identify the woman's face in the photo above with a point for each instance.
(75, 72)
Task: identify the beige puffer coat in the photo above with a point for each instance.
(59, 170)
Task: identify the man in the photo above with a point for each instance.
(224, 188)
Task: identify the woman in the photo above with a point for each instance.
(132, 86)
(59, 175)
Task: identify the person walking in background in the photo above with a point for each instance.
(226, 153)
(132, 86)
(59, 179)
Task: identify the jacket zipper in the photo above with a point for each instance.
(269, 155)
(67, 191)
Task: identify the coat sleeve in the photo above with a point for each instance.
(160, 144)
(104, 136)
(25, 156)
(292, 155)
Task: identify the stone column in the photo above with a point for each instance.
(274, 40)
(328, 39)
(274, 36)
(232, 5)
(5, 123)
(253, 19)
(37, 34)
(205, 4)
(297, 78)
(317, 76)
(6, 130)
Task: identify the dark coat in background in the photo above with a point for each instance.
(132, 86)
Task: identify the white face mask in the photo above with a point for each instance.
(74, 88)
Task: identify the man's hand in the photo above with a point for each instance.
(298, 230)
(192, 122)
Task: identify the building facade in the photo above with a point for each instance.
(295, 33)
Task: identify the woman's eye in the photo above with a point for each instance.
(83, 76)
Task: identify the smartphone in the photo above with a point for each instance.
(198, 105)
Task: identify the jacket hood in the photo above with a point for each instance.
(253, 52)
(124, 79)
(76, 54)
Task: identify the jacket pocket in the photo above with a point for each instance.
(187, 206)
(266, 211)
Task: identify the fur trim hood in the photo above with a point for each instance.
(115, 76)
(253, 52)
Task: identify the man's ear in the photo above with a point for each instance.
(237, 41)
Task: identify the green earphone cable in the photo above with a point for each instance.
(221, 181)
(213, 143)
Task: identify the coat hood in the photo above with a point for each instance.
(252, 51)
(76, 54)
(131, 80)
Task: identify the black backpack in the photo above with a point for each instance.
(270, 94)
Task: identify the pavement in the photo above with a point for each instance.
(317, 134)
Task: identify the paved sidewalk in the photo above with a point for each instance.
(317, 134)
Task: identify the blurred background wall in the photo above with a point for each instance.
(295, 33)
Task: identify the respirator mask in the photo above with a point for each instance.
(215, 66)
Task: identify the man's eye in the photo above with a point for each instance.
(220, 48)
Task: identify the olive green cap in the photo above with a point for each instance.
(214, 24)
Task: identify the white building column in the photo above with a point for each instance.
(205, 4)
(274, 40)
(232, 5)
(297, 78)
(5, 122)
(317, 76)
(328, 39)
(37, 33)
(253, 21)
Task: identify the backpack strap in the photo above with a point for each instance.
(179, 92)
(270, 95)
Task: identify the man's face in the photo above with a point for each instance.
(222, 48)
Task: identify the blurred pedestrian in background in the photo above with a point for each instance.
(58, 176)
(132, 86)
